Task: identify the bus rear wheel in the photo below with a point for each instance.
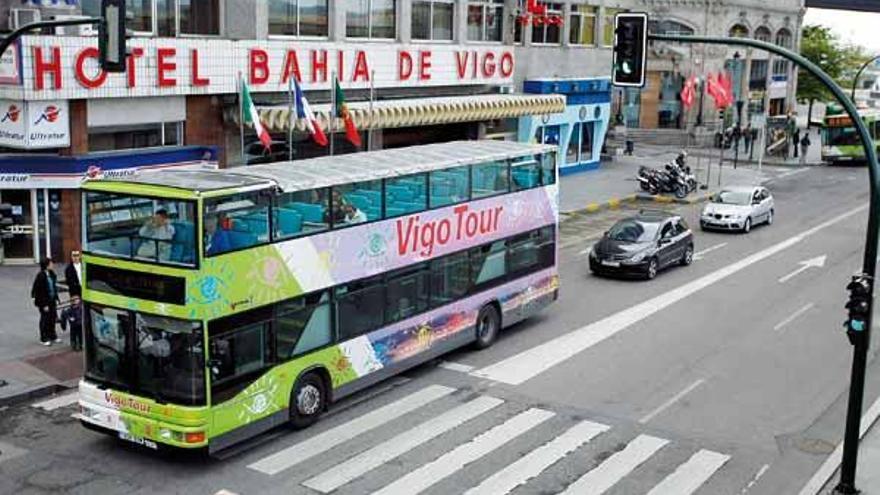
(308, 400)
(488, 325)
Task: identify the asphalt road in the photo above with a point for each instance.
(725, 377)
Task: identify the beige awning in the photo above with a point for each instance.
(422, 111)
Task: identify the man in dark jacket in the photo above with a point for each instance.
(73, 273)
(45, 295)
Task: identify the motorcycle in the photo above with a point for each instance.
(675, 178)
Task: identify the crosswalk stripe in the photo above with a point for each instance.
(692, 474)
(538, 460)
(59, 401)
(431, 473)
(616, 467)
(399, 445)
(325, 441)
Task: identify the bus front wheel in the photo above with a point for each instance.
(488, 325)
(308, 400)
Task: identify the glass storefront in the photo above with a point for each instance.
(669, 107)
(19, 244)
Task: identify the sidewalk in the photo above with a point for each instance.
(615, 181)
(26, 366)
(814, 154)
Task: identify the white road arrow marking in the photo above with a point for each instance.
(817, 262)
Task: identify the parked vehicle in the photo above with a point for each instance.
(739, 209)
(643, 245)
(675, 177)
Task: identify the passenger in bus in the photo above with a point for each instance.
(337, 208)
(156, 230)
(353, 214)
(216, 240)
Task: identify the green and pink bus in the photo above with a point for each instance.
(222, 303)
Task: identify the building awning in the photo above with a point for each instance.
(422, 111)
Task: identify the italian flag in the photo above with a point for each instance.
(304, 112)
(249, 112)
(341, 110)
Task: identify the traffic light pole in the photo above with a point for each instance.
(847, 484)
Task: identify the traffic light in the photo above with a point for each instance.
(111, 36)
(630, 49)
(859, 307)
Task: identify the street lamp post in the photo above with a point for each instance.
(855, 83)
(861, 343)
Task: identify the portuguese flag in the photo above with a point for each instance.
(249, 112)
(341, 110)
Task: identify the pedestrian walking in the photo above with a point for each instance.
(45, 295)
(71, 318)
(73, 274)
(796, 140)
(805, 147)
(747, 138)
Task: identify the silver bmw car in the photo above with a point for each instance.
(738, 208)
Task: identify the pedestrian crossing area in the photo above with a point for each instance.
(440, 439)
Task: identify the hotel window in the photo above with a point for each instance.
(583, 25)
(783, 39)
(545, 33)
(608, 29)
(432, 20)
(298, 17)
(484, 20)
(135, 136)
(370, 19)
(166, 17)
(762, 34)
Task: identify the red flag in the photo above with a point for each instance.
(718, 91)
(341, 111)
(688, 92)
(727, 82)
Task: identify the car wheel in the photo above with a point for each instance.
(488, 325)
(688, 256)
(770, 218)
(308, 400)
(747, 226)
(651, 270)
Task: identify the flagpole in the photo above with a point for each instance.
(290, 117)
(332, 125)
(371, 120)
(240, 116)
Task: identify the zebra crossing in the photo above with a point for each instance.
(444, 434)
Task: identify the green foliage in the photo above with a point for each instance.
(838, 60)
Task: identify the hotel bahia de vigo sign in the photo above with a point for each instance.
(52, 67)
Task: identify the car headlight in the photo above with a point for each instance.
(636, 257)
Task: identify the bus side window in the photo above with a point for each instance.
(303, 324)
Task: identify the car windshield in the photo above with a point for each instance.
(633, 231)
(152, 356)
(733, 198)
(136, 227)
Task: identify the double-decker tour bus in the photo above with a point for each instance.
(219, 304)
(840, 140)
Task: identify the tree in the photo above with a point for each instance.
(839, 61)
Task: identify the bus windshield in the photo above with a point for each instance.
(141, 228)
(152, 356)
(841, 136)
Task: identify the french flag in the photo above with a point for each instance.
(303, 111)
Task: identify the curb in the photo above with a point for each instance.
(33, 393)
(610, 204)
(699, 198)
(614, 203)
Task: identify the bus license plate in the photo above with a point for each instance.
(615, 264)
(138, 440)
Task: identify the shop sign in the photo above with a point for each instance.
(34, 124)
(161, 66)
(10, 66)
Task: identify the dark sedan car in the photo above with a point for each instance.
(643, 245)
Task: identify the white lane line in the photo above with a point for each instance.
(585, 251)
(325, 441)
(691, 475)
(653, 414)
(366, 461)
(699, 254)
(617, 466)
(826, 471)
(793, 317)
(461, 368)
(538, 460)
(760, 473)
(59, 401)
(447, 464)
(536, 360)
(790, 173)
